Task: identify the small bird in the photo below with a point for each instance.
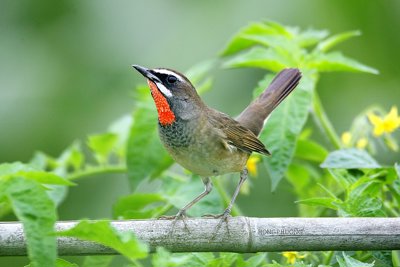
(205, 141)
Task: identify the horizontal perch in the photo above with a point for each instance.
(240, 234)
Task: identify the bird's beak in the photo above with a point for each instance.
(146, 73)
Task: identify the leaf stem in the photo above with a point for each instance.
(323, 121)
(96, 170)
(222, 192)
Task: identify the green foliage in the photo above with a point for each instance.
(331, 178)
(273, 47)
(104, 233)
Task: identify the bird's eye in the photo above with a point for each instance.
(171, 79)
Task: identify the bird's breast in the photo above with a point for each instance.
(199, 148)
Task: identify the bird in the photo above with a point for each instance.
(204, 140)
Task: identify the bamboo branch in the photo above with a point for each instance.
(240, 234)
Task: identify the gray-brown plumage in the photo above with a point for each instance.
(204, 140)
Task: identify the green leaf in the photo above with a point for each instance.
(102, 145)
(238, 43)
(256, 260)
(64, 263)
(335, 61)
(336, 39)
(319, 201)
(350, 159)
(347, 261)
(397, 168)
(259, 57)
(139, 206)
(310, 150)
(146, 156)
(104, 233)
(283, 127)
(198, 76)
(97, 261)
(163, 258)
(37, 212)
(310, 37)
(23, 170)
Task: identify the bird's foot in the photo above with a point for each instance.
(223, 218)
(181, 215)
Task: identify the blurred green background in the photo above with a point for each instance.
(65, 72)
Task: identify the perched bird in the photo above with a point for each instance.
(205, 141)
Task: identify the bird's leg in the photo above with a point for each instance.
(227, 211)
(182, 212)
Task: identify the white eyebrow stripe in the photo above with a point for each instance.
(168, 72)
(163, 89)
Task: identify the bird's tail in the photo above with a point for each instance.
(281, 86)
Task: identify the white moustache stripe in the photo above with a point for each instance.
(168, 72)
(164, 89)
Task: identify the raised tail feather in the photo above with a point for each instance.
(281, 86)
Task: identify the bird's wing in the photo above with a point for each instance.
(235, 134)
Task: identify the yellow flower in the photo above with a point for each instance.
(291, 256)
(362, 143)
(346, 138)
(252, 164)
(387, 124)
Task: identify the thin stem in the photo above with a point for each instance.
(324, 122)
(96, 170)
(222, 192)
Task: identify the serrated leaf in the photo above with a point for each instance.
(347, 261)
(259, 57)
(19, 169)
(37, 212)
(104, 233)
(310, 150)
(138, 206)
(238, 43)
(319, 201)
(351, 158)
(310, 37)
(146, 156)
(336, 39)
(335, 61)
(283, 127)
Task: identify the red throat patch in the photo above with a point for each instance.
(165, 114)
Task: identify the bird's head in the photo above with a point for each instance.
(174, 95)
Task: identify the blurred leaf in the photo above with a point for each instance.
(282, 128)
(97, 261)
(342, 177)
(224, 259)
(146, 156)
(311, 37)
(258, 57)
(383, 258)
(397, 168)
(350, 159)
(256, 260)
(104, 233)
(238, 43)
(310, 150)
(320, 201)
(138, 206)
(64, 263)
(336, 39)
(198, 75)
(23, 170)
(121, 128)
(37, 212)
(335, 61)
(71, 157)
(164, 258)
(102, 145)
(347, 261)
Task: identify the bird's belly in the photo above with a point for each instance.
(201, 152)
